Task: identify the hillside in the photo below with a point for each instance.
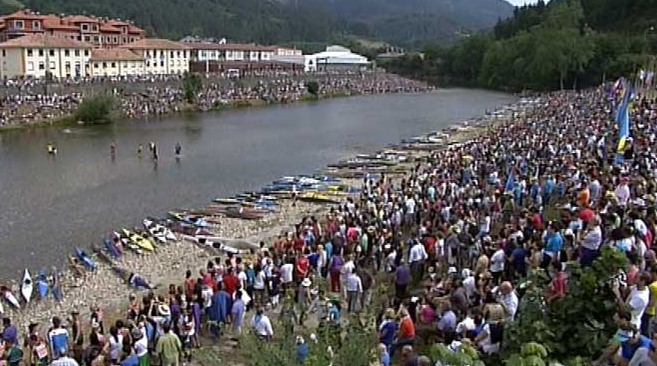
(401, 22)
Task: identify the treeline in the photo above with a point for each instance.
(565, 43)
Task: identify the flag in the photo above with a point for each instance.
(623, 119)
(510, 182)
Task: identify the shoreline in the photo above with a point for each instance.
(169, 263)
(182, 106)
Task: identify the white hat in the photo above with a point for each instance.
(452, 270)
(306, 282)
(164, 310)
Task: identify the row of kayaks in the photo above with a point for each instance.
(43, 284)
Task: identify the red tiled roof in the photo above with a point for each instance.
(81, 19)
(133, 29)
(116, 23)
(44, 40)
(24, 14)
(154, 44)
(115, 54)
(55, 22)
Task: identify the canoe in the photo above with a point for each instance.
(56, 289)
(240, 213)
(101, 254)
(139, 240)
(161, 233)
(110, 247)
(27, 286)
(42, 284)
(317, 198)
(85, 258)
(214, 243)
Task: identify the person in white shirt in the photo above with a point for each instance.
(262, 325)
(354, 288)
(638, 298)
(497, 261)
(416, 258)
(259, 286)
(509, 300)
(286, 274)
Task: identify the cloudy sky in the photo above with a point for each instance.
(521, 2)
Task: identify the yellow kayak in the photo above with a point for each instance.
(317, 198)
(139, 240)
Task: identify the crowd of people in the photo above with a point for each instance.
(162, 95)
(446, 244)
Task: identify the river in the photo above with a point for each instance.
(49, 204)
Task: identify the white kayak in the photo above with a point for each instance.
(27, 286)
(161, 233)
(11, 299)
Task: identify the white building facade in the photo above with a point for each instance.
(117, 62)
(162, 56)
(38, 55)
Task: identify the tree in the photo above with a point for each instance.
(313, 87)
(95, 109)
(192, 85)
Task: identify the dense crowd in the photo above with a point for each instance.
(449, 242)
(166, 95)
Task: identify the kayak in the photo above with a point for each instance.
(110, 247)
(11, 299)
(85, 258)
(42, 284)
(157, 229)
(56, 289)
(27, 286)
(139, 240)
(212, 243)
(317, 198)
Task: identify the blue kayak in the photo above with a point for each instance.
(111, 248)
(42, 284)
(84, 257)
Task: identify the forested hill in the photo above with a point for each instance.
(550, 45)
(400, 22)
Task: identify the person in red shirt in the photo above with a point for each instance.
(430, 245)
(301, 267)
(299, 243)
(406, 333)
(230, 282)
(190, 285)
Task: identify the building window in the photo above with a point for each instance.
(67, 66)
(51, 53)
(30, 66)
(77, 53)
(79, 38)
(86, 52)
(96, 40)
(172, 54)
(104, 65)
(178, 53)
(36, 24)
(125, 40)
(52, 65)
(116, 39)
(87, 38)
(161, 63)
(18, 24)
(29, 52)
(67, 53)
(148, 64)
(94, 28)
(113, 64)
(4, 53)
(41, 53)
(85, 27)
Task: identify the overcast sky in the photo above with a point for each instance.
(521, 2)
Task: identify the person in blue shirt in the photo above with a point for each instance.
(302, 350)
(628, 341)
(58, 338)
(553, 243)
(388, 328)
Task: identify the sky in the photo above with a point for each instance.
(521, 2)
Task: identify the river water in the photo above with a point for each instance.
(50, 204)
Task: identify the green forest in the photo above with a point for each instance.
(561, 44)
(408, 23)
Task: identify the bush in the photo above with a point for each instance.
(313, 87)
(95, 109)
(192, 85)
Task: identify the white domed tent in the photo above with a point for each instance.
(335, 57)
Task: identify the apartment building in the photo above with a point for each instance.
(162, 56)
(117, 62)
